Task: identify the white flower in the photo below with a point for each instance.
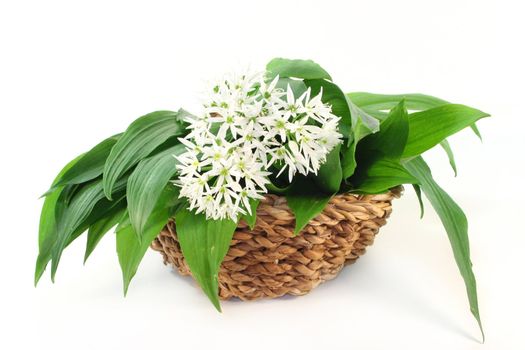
(248, 130)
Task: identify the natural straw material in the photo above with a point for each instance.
(269, 261)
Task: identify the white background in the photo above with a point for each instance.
(73, 73)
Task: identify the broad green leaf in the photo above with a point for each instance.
(98, 229)
(417, 189)
(335, 97)
(375, 103)
(430, 127)
(369, 124)
(330, 173)
(75, 212)
(47, 227)
(298, 87)
(348, 161)
(141, 138)
(363, 125)
(204, 244)
(380, 102)
(90, 165)
(103, 209)
(378, 167)
(304, 69)
(446, 146)
(306, 202)
(130, 249)
(392, 136)
(251, 218)
(456, 225)
(381, 176)
(147, 182)
(476, 131)
(123, 223)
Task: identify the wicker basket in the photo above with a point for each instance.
(269, 261)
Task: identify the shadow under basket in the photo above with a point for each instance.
(269, 261)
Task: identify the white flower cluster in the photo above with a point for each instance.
(250, 129)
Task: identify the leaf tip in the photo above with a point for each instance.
(125, 288)
(39, 271)
(297, 230)
(107, 186)
(36, 279)
(53, 273)
(215, 301)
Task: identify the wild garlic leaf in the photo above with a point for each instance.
(330, 173)
(363, 124)
(98, 229)
(417, 189)
(90, 165)
(381, 176)
(298, 86)
(306, 202)
(141, 138)
(378, 155)
(448, 150)
(147, 182)
(456, 225)
(303, 69)
(376, 103)
(432, 126)
(392, 136)
(379, 102)
(130, 249)
(251, 218)
(47, 233)
(348, 161)
(76, 212)
(204, 243)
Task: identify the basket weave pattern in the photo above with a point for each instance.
(269, 261)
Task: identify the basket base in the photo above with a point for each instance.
(269, 261)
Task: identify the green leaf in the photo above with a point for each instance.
(392, 136)
(277, 188)
(304, 69)
(251, 218)
(381, 176)
(47, 227)
(363, 125)
(380, 102)
(76, 212)
(456, 225)
(98, 229)
(348, 161)
(141, 138)
(147, 182)
(335, 97)
(130, 249)
(446, 146)
(378, 155)
(298, 86)
(90, 165)
(476, 131)
(306, 202)
(330, 173)
(417, 189)
(375, 103)
(430, 127)
(368, 123)
(204, 244)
